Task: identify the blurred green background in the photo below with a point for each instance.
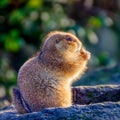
(23, 24)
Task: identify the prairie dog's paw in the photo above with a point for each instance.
(85, 54)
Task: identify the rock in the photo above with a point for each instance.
(99, 111)
(102, 104)
(96, 94)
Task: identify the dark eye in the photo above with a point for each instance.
(68, 38)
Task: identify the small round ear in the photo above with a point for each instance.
(57, 41)
(58, 44)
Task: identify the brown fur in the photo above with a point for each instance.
(45, 80)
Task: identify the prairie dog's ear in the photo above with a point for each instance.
(60, 45)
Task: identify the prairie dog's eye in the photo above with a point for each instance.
(68, 38)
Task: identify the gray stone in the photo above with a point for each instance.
(99, 111)
(96, 94)
(99, 102)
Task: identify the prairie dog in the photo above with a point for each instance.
(45, 80)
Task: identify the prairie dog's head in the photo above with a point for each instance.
(65, 43)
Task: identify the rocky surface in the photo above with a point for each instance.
(99, 111)
(107, 109)
(96, 94)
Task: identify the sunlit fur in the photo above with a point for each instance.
(45, 80)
